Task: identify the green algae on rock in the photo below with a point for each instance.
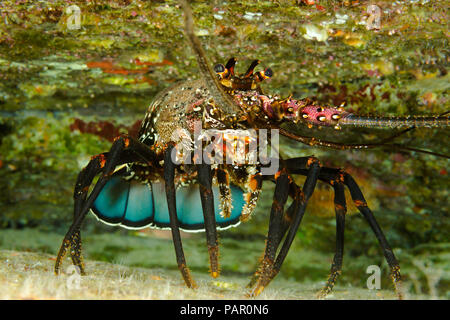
(51, 76)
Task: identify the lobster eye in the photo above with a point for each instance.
(219, 68)
(268, 72)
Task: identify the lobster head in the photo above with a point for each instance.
(250, 80)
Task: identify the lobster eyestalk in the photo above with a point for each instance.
(312, 113)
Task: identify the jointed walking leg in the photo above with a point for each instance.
(340, 208)
(207, 199)
(273, 235)
(169, 176)
(337, 178)
(361, 204)
(223, 180)
(270, 268)
(125, 149)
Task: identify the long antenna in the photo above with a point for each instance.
(210, 77)
(394, 122)
(311, 141)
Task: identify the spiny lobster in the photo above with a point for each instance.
(142, 183)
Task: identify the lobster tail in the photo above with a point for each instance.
(394, 122)
(126, 203)
(135, 205)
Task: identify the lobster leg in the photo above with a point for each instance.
(254, 185)
(285, 223)
(169, 176)
(273, 235)
(340, 210)
(270, 268)
(336, 181)
(207, 199)
(84, 180)
(338, 178)
(223, 180)
(125, 149)
(361, 204)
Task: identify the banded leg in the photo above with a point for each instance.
(285, 223)
(300, 202)
(361, 204)
(124, 149)
(336, 177)
(169, 176)
(207, 199)
(84, 180)
(336, 181)
(81, 189)
(273, 235)
(340, 208)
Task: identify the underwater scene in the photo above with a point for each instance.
(78, 77)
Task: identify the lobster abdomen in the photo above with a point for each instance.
(135, 205)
